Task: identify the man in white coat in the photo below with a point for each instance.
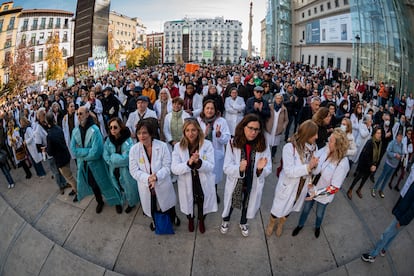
(142, 112)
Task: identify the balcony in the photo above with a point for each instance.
(66, 26)
(34, 27)
(57, 26)
(24, 28)
(42, 27)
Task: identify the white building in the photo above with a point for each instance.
(202, 40)
(36, 26)
(322, 33)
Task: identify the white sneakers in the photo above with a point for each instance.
(11, 186)
(224, 228)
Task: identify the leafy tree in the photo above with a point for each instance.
(152, 58)
(56, 65)
(228, 62)
(135, 56)
(20, 74)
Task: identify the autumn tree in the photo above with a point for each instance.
(20, 74)
(152, 58)
(56, 65)
(135, 56)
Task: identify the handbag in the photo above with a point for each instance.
(163, 225)
(21, 153)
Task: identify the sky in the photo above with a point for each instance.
(155, 12)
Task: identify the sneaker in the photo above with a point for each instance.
(9, 186)
(373, 192)
(367, 258)
(382, 253)
(381, 194)
(224, 227)
(12, 185)
(244, 230)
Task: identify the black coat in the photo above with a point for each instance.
(365, 160)
(404, 208)
(56, 146)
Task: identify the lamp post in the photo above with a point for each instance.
(357, 38)
(300, 50)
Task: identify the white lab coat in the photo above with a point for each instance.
(232, 171)
(157, 107)
(185, 184)
(65, 128)
(141, 168)
(133, 119)
(29, 138)
(197, 103)
(234, 112)
(409, 108)
(98, 111)
(218, 145)
(363, 136)
(288, 183)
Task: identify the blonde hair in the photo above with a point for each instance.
(341, 145)
(306, 130)
(200, 138)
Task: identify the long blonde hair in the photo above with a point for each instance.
(341, 145)
(200, 138)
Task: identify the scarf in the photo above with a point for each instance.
(188, 102)
(163, 113)
(376, 150)
(277, 107)
(244, 185)
(209, 127)
(176, 126)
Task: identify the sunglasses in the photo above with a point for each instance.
(113, 127)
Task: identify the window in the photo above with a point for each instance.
(65, 36)
(303, 35)
(66, 25)
(315, 62)
(34, 26)
(43, 23)
(338, 63)
(6, 8)
(1, 24)
(309, 59)
(40, 55)
(25, 25)
(33, 40)
(315, 10)
(322, 61)
(32, 56)
(348, 65)
(328, 5)
(309, 12)
(57, 22)
(64, 52)
(11, 23)
(23, 41)
(346, 2)
(8, 43)
(321, 8)
(42, 35)
(50, 26)
(336, 3)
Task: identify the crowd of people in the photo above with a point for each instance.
(134, 133)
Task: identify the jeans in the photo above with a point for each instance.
(387, 171)
(60, 180)
(7, 174)
(243, 219)
(320, 212)
(40, 171)
(386, 238)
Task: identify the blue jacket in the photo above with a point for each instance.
(393, 148)
(121, 161)
(89, 155)
(404, 208)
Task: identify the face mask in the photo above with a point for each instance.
(345, 107)
(204, 83)
(343, 128)
(387, 123)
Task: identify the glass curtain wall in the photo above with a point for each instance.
(382, 50)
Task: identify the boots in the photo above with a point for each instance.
(349, 194)
(271, 226)
(201, 225)
(190, 224)
(359, 193)
(279, 227)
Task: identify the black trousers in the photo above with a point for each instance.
(360, 176)
(243, 219)
(95, 188)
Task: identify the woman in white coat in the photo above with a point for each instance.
(216, 130)
(149, 165)
(333, 166)
(95, 105)
(162, 107)
(365, 131)
(298, 162)
(193, 162)
(174, 121)
(234, 109)
(246, 165)
(69, 123)
(29, 141)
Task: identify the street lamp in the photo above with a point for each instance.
(357, 38)
(300, 51)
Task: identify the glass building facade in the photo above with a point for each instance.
(279, 30)
(384, 49)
